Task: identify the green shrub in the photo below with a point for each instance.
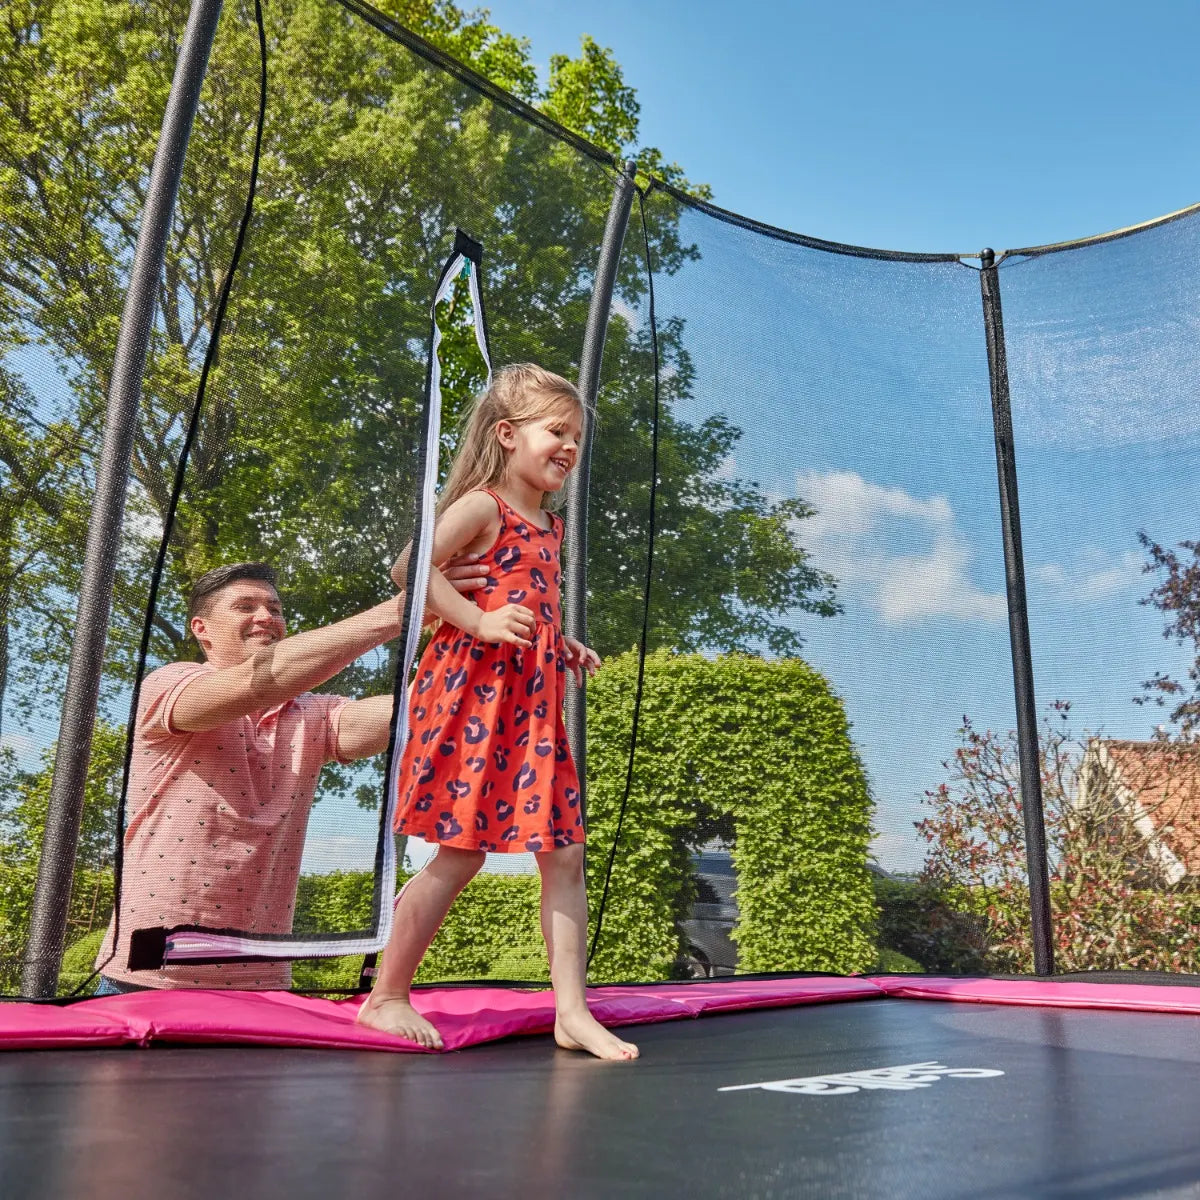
(339, 900)
(79, 961)
(892, 962)
(939, 929)
(757, 752)
(492, 930)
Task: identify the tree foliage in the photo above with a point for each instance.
(1112, 907)
(304, 450)
(1177, 596)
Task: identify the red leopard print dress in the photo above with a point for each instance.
(487, 766)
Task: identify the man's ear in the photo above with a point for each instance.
(506, 434)
(196, 625)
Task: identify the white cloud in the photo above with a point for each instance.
(902, 853)
(27, 750)
(1094, 576)
(631, 316)
(419, 852)
(19, 743)
(325, 852)
(862, 533)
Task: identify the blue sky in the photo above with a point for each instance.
(862, 386)
(921, 126)
(941, 127)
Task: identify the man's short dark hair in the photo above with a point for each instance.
(211, 582)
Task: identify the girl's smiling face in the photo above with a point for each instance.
(543, 451)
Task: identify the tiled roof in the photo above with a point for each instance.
(1164, 779)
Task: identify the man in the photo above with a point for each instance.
(226, 757)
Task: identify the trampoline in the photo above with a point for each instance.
(953, 1100)
(814, 768)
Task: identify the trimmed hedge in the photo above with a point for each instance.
(752, 750)
(491, 931)
(755, 752)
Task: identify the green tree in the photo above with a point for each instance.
(24, 796)
(370, 157)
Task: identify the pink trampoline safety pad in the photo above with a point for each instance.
(469, 1016)
(1052, 993)
(466, 1016)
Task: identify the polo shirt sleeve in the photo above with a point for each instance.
(161, 690)
(328, 709)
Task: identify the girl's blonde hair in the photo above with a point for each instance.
(519, 393)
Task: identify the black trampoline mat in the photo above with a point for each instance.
(1091, 1104)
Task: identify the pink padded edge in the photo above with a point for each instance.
(465, 1016)
(469, 1016)
(34, 1026)
(1053, 993)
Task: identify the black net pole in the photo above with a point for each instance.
(1018, 623)
(43, 957)
(575, 606)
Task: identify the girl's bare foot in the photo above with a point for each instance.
(581, 1031)
(396, 1015)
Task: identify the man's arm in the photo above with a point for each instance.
(363, 727)
(281, 672)
(304, 661)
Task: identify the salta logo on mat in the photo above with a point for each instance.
(904, 1078)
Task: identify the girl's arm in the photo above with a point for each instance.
(461, 525)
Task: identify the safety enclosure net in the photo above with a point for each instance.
(805, 750)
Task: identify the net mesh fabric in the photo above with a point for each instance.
(326, 349)
(1103, 367)
(822, 775)
(828, 596)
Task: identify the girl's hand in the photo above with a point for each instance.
(580, 658)
(513, 624)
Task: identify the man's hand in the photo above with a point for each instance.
(466, 572)
(580, 658)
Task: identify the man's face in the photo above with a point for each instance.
(241, 619)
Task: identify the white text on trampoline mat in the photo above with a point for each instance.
(893, 1079)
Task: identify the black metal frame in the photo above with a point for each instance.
(590, 359)
(1018, 621)
(43, 955)
(47, 929)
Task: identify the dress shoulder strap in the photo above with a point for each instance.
(503, 505)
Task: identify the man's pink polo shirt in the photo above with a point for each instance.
(215, 826)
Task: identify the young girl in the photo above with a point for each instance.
(487, 766)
